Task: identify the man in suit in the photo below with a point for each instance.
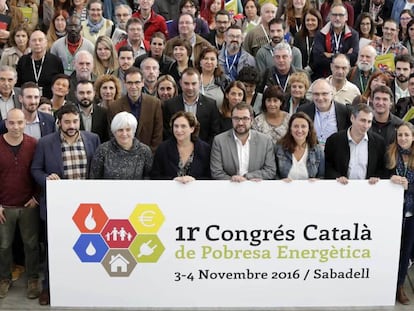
(146, 108)
(355, 153)
(38, 124)
(92, 117)
(8, 97)
(191, 100)
(241, 154)
(328, 116)
(53, 161)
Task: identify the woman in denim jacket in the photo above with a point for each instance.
(298, 155)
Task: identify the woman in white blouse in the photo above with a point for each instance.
(298, 155)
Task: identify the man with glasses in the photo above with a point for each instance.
(334, 38)
(146, 108)
(216, 36)
(135, 32)
(241, 153)
(123, 13)
(389, 42)
(232, 56)
(328, 116)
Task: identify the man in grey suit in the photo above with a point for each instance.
(242, 154)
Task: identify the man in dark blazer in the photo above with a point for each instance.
(9, 95)
(49, 163)
(38, 124)
(228, 149)
(328, 116)
(92, 117)
(146, 108)
(356, 153)
(191, 100)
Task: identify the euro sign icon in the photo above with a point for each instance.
(146, 218)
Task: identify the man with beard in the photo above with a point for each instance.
(53, 160)
(259, 35)
(38, 124)
(216, 36)
(405, 104)
(389, 42)
(334, 38)
(264, 57)
(360, 74)
(404, 65)
(39, 66)
(150, 72)
(125, 61)
(203, 107)
(146, 108)
(384, 122)
(92, 117)
(67, 46)
(232, 56)
(241, 153)
(83, 64)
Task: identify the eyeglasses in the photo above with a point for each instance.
(131, 83)
(243, 119)
(323, 94)
(338, 14)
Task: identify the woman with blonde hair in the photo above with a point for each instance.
(166, 88)
(295, 10)
(108, 89)
(105, 57)
(400, 162)
(298, 85)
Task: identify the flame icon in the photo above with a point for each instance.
(90, 223)
(90, 250)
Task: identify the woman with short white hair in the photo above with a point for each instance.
(122, 157)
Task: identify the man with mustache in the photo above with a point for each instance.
(360, 74)
(53, 160)
(232, 56)
(93, 118)
(404, 64)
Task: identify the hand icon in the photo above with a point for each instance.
(145, 249)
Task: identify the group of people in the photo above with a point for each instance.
(110, 90)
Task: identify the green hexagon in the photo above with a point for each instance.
(147, 218)
(146, 248)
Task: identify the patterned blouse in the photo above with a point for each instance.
(275, 132)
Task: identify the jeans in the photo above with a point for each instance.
(28, 221)
(407, 245)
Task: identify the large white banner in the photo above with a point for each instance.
(223, 244)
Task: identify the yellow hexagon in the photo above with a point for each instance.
(147, 218)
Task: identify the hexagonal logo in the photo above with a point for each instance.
(90, 248)
(119, 262)
(118, 233)
(147, 218)
(147, 248)
(90, 218)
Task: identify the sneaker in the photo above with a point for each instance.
(33, 290)
(4, 287)
(17, 272)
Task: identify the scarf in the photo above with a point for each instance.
(95, 27)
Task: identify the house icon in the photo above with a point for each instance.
(118, 264)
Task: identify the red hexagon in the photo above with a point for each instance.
(90, 218)
(118, 233)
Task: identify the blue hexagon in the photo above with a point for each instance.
(90, 248)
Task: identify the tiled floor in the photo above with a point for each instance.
(16, 300)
